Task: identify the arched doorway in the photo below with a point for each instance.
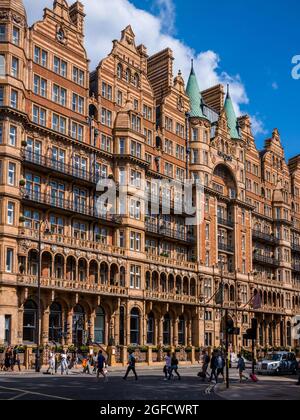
(99, 332)
(55, 323)
(30, 322)
(135, 326)
(78, 326)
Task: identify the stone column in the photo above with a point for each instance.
(45, 326)
(127, 323)
(189, 330)
(175, 331)
(69, 340)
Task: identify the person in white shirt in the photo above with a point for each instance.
(168, 366)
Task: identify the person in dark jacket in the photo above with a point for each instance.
(214, 367)
(131, 366)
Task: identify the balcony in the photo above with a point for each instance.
(264, 259)
(295, 248)
(171, 297)
(71, 285)
(264, 237)
(225, 248)
(166, 260)
(70, 241)
(296, 266)
(45, 162)
(44, 199)
(151, 226)
(226, 222)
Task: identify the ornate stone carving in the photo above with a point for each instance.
(78, 253)
(67, 251)
(54, 248)
(4, 15)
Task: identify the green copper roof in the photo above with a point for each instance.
(231, 117)
(193, 92)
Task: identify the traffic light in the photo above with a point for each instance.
(229, 326)
(251, 334)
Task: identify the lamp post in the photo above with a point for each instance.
(38, 354)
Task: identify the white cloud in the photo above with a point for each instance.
(105, 19)
(257, 126)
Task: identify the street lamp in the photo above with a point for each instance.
(47, 231)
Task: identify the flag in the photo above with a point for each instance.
(257, 302)
(220, 295)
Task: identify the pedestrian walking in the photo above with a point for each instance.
(64, 363)
(174, 367)
(101, 366)
(51, 363)
(16, 359)
(220, 365)
(8, 359)
(131, 366)
(95, 362)
(214, 367)
(167, 366)
(205, 360)
(241, 368)
(57, 362)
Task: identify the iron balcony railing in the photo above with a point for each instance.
(296, 266)
(225, 247)
(153, 227)
(264, 237)
(225, 222)
(296, 247)
(61, 167)
(264, 259)
(68, 205)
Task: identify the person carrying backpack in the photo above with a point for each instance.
(131, 366)
(241, 368)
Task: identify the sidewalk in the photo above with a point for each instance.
(268, 388)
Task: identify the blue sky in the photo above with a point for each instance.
(247, 43)
(256, 40)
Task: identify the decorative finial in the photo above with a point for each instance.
(228, 90)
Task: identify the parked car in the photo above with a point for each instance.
(278, 363)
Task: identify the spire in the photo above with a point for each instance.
(231, 116)
(193, 92)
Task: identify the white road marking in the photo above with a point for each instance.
(35, 393)
(18, 396)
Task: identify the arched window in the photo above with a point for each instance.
(181, 331)
(55, 322)
(136, 80)
(100, 326)
(167, 330)
(135, 326)
(150, 329)
(128, 76)
(30, 322)
(119, 71)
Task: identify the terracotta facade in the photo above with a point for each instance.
(133, 279)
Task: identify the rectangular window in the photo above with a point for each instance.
(11, 176)
(1, 133)
(1, 95)
(10, 213)
(44, 60)
(16, 36)
(14, 99)
(7, 327)
(2, 33)
(9, 260)
(2, 65)
(14, 67)
(12, 135)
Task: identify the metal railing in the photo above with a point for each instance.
(225, 247)
(264, 237)
(225, 222)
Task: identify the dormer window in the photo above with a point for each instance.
(136, 80)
